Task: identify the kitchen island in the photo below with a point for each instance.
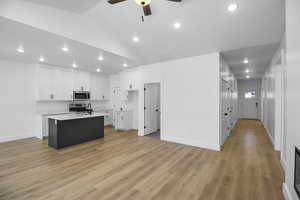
(71, 129)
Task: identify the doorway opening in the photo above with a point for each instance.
(152, 110)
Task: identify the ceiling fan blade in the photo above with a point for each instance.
(175, 0)
(115, 1)
(147, 10)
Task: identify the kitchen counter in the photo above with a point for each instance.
(72, 116)
(71, 129)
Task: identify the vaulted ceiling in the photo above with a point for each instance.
(206, 26)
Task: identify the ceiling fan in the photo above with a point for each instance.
(144, 3)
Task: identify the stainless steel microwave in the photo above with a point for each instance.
(81, 95)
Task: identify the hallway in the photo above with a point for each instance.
(252, 168)
(143, 168)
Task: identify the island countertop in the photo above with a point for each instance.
(72, 116)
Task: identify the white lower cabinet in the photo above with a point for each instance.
(123, 120)
(108, 118)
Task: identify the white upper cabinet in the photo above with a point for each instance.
(130, 80)
(99, 87)
(55, 84)
(94, 87)
(67, 85)
(58, 84)
(46, 84)
(105, 88)
(81, 81)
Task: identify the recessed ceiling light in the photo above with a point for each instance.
(136, 39)
(247, 77)
(232, 7)
(21, 49)
(65, 48)
(74, 65)
(125, 65)
(42, 59)
(100, 58)
(98, 70)
(247, 71)
(246, 61)
(177, 25)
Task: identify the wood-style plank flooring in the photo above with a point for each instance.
(125, 166)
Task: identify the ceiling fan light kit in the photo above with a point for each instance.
(144, 3)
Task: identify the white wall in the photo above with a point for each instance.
(268, 102)
(18, 94)
(189, 99)
(293, 93)
(272, 96)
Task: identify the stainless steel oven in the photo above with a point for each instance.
(81, 95)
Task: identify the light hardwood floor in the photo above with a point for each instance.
(125, 166)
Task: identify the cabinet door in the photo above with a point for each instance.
(116, 99)
(105, 94)
(108, 118)
(57, 86)
(66, 85)
(46, 84)
(124, 95)
(81, 81)
(121, 121)
(94, 87)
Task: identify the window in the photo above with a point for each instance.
(250, 95)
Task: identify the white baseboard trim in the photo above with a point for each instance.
(194, 143)
(8, 139)
(271, 139)
(286, 192)
(283, 165)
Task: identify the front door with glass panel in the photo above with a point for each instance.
(250, 104)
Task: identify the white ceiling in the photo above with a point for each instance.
(37, 42)
(77, 6)
(259, 58)
(206, 27)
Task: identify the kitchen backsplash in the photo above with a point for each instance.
(63, 107)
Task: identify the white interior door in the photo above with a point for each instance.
(151, 108)
(224, 112)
